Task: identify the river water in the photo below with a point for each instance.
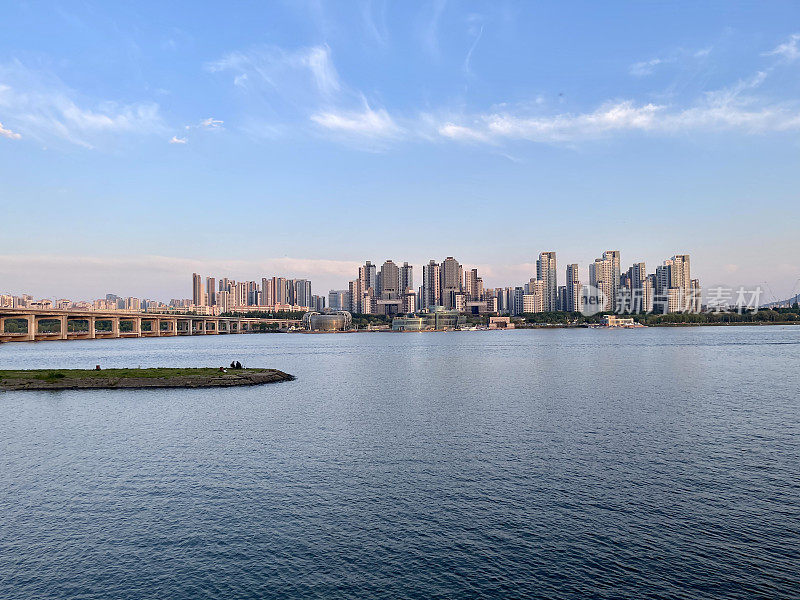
(651, 463)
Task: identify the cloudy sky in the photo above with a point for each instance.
(140, 142)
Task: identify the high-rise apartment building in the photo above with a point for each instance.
(574, 290)
(390, 281)
(197, 289)
(695, 296)
(368, 276)
(406, 278)
(211, 291)
(431, 291)
(546, 272)
(355, 292)
(614, 257)
(473, 285)
(300, 290)
(267, 295)
(636, 275)
(681, 275)
(339, 300)
(601, 275)
(535, 301)
(673, 285)
(451, 276)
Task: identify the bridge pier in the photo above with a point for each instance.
(31, 328)
(92, 330)
(62, 321)
(115, 327)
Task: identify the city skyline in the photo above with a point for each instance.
(162, 278)
(390, 289)
(325, 133)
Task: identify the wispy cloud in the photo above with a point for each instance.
(478, 34)
(347, 116)
(681, 56)
(726, 109)
(279, 69)
(37, 103)
(7, 133)
(304, 85)
(176, 140)
(376, 29)
(646, 67)
(788, 50)
(430, 29)
(211, 123)
(366, 122)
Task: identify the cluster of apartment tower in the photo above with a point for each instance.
(274, 293)
(390, 289)
(110, 303)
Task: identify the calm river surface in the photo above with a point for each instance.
(652, 463)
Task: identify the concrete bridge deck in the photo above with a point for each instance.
(142, 324)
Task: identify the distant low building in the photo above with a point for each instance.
(409, 324)
(340, 320)
(500, 323)
(615, 321)
(437, 318)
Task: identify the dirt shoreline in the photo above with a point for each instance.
(67, 379)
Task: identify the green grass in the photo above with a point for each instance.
(162, 373)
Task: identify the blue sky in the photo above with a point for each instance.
(143, 141)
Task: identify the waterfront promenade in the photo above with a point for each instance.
(83, 324)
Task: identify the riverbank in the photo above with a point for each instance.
(78, 379)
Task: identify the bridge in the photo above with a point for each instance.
(90, 325)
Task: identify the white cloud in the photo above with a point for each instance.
(42, 106)
(278, 69)
(646, 67)
(210, 123)
(788, 50)
(681, 56)
(460, 132)
(725, 109)
(7, 133)
(366, 122)
(176, 140)
(307, 81)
